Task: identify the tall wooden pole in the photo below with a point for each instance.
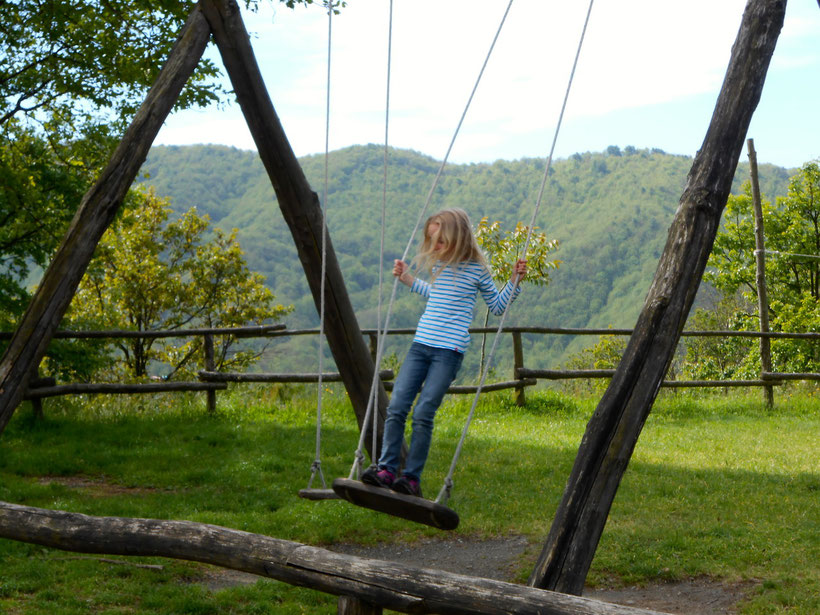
(97, 209)
(299, 204)
(760, 274)
(614, 428)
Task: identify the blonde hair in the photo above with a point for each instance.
(456, 233)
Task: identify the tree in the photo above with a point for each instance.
(76, 66)
(151, 274)
(718, 358)
(792, 238)
(503, 248)
(72, 74)
(606, 354)
(37, 195)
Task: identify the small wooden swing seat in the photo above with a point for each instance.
(396, 504)
(318, 494)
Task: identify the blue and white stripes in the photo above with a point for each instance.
(451, 301)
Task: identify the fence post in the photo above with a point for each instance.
(208, 339)
(374, 347)
(348, 605)
(518, 361)
(36, 402)
(760, 276)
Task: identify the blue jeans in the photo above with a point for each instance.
(435, 369)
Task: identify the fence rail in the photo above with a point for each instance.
(211, 381)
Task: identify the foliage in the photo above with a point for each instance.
(718, 358)
(72, 73)
(503, 248)
(606, 354)
(150, 274)
(38, 194)
(77, 66)
(792, 239)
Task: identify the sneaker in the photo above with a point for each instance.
(409, 486)
(378, 478)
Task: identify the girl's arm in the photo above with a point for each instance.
(497, 300)
(402, 271)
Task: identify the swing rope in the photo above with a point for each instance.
(446, 489)
(374, 391)
(316, 466)
(359, 455)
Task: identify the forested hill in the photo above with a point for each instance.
(610, 211)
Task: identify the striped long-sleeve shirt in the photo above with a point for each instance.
(451, 301)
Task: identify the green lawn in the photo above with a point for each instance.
(718, 487)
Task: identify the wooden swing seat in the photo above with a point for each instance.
(318, 494)
(396, 504)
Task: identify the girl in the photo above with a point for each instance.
(458, 272)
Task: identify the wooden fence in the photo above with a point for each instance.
(210, 381)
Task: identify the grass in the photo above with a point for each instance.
(718, 487)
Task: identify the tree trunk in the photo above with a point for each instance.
(98, 208)
(614, 428)
(299, 204)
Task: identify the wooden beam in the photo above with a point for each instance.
(613, 430)
(97, 209)
(114, 388)
(299, 204)
(774, 376)
(467, 389)
(390, 585)
(209, 376)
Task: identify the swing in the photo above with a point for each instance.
(437, 513)
(312, 493)
(396, 504)
(420, 510)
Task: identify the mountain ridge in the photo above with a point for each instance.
(609, 210)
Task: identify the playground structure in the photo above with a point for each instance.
(611, 434)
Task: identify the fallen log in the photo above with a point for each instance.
(406, 589)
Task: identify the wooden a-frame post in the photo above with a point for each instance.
(614, 428)
(299, 205)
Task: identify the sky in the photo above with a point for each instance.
(648, 75)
